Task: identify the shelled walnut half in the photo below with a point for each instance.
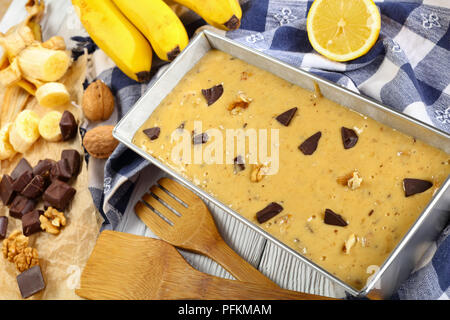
(15, 249)
(52, 221)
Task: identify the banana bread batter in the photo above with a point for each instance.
(339, 196)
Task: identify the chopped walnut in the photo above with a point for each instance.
(241, 103)
(349, 243)
(26, 259)
(15, 249)
(258, 172)
(52, 221)
(355, 181)
(352, 180)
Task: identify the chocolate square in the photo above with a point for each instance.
(21, 167)
(30, 282)
(31, 223)
(6, 191)
(152, 133)
(268, 212)
(20, 206)
(22, 181)
(73, 158)
(43, 168)
(68, 126)
(61, 171)
(58, 195)
(3, 227)
(35, 188)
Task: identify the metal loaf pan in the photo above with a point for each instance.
(409, 250)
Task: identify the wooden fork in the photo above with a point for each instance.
(181, 218)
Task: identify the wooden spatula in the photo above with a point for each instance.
(180, 217)
(125, 266)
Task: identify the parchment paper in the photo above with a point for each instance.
(61, 257)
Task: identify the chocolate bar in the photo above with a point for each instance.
(35, 188)
(31, 223)
(30, 282)
(21, 182)
(7, 193)
(20, 206)
(68, 126)
(58, 195)
(61, 171)
(21, 167)
(43, 168)
(3, 227)
(73, 158)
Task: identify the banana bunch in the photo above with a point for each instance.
(127, 31)
(29, 63)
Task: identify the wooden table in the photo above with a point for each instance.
(4, 5)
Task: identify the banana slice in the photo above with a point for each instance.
(49, 126)
(6, 149)
(24, 131)
(52, 95)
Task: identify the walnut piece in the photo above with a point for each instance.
(15, 249)
(26, 259)
(258, 172)
(52, 221)
(240, 104)
(349, 243)
(355, 181)
(352, 180)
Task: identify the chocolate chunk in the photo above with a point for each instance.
(31, 223)
(334, 219)
(30, 282)
(61, 171)
(152, 133)
(20, 206)
(68, 126)
(73, 158)
(35, 188)
(239, 164)
(233, 23)
(173, 53)
(21, 167)
(349, 137)
(309, 146)
(3, 227)
(268, 212)
(414, 186)
(6, 191)
(212, 94)
(22, 181)
(286, 117)
(200, 138)
(43, 168)
(58, 195)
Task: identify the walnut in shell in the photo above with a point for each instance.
(99, 142)
(98, 101)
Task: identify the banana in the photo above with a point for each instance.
(222, 14)
(49, 126)
(43, 64)
(116, 36)
(158, 23)
(52, 95)
(24, 131)
(10, 75)
(6, 149)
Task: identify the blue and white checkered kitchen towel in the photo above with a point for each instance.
(407, 69)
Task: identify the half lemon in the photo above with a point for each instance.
(343, 30)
